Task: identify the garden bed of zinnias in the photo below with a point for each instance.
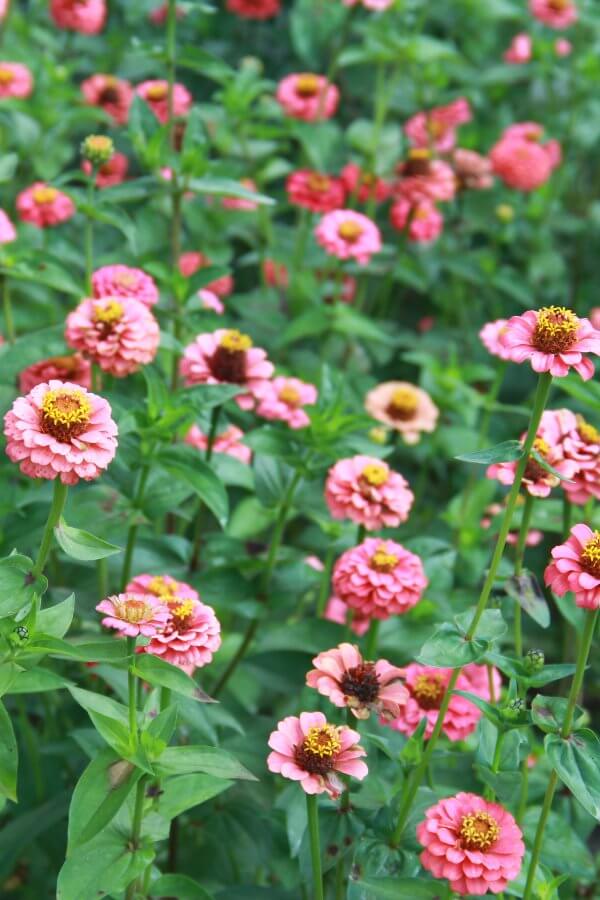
(299, 564)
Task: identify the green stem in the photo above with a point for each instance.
(490, 793)
(371, 643)
(539, 402)
(102, 572)
(315, 845)
(214, 424)
(132, 693)
(524, 791)
(325, 583)
(133, 528)
(9, 323)
(58, 502)
(519, 555)
(565, 732)
(197, 535)
(88, 234)
(136, 828)
(171, 50)
(175, 254)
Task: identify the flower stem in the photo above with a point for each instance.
(88, 234)
(315, 845)
(519, 554)
(132, 694)
(133, 528)
(371, 644)
(325, 582)
(9, 323)
(171, 51)
(58, 502)
(490, 793)
(136, 827)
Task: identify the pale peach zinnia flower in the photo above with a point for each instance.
(228, 442)
(155, 93)
(283, 399)
(133, 614)
(404, 407)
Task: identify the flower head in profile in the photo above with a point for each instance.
(15, 80)
(73, 368)
(254, 9)
(379, 579)
(134, 614)
(553, 339)
(283, 399)
(520, 49)
(492, 335)
(365, 490)
(555, 13)
(190, 637)
(436, 128)
(228, 442)
(538, 481)
(422, 220)
(422, 178)
(520, 158)
(124, 281)
(307, 96)
(581, 444)
(309, 750)
(84, 16)
(60, 430)
(275, 273)
(156, 94)
(575, 567)
(403, 407)
(348, 680)
(476, 845)
(112, 94)
(348, 235)
(44, 206)
(315, 191)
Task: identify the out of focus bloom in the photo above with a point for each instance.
(365, 490)
(404, 407)
(125, 281)
(283, 399)
(348, 235)
(424, 178)
(110, 93)
(436, 128)
(15, 80)
(379, 579)
(476, 845)
(8, 231)
(228, 442)
(44, 206)
(555, 13)
(537, 480)
(227, 357)
(307, 96)
(575, 567)
(533, 538)
(134, 614)
(520, 49)
(364, 185)
(156, 92)
(97, 149)
(472, 170)
(242, 203)
(275, 273)
(110, 173)
(84, 16)
(562, 47)
(338, 611)
(159, 15)
(581, 444)
(521, 160)
(60, 430)
(119, 334)
(254, 9)
(422, 220)
(190, 637)
(491, 336)
(73, 368)
(315, 191)
(163, 587)
(553, 339)
(348, 680)
(210, 301)
(192, 261)
(373, 5)
(309, 750)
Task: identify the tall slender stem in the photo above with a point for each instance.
(519, 555)
(9, 324)
(324, 584)
(315, 846)
(212, 434)
(132, 693)
(133, 528)
(136, 827)
(88, 234)
(371, 643)
(58, 502)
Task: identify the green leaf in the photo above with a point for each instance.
(9, 671)
(211, 760)
(183, 463)
(98, 795)
(183, 792)
(37, 680)
(447, 647)
(516, 668)
(18, 584)
(507, 451)
(23, 830)
(490, 627)
(9, 756)
(548, 713)
(272, 479)
(393, 889)
(206, 396)
(104, 865)
(155, 670)
(179, 886)
(56, 620)
(492, 713)
(8, 166)
(577, 763)
(107, 650)
(227, 187)
(563, 849)
(81, 544)
(526, 591)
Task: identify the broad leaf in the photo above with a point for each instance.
(184, 464)
(158, 671)
(98, 795)
(211, 760)
(577, 762)
(526, 591)
(81, 544)
(8, 757)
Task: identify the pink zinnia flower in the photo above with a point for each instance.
(307, 96)
(283, 399)
(85, 16)
(555, 13)
(191, 636)
(492, 335)
(347, 680)
(379, 579)
(339, 612)
(155, 93)
(422, 220)
(8, 231)
(554, 340)
(192, 261)
(125, 281)
(575, 567)
(163, 587)
(134, 614)
(519, 158)
(367, 491)
(227, 357)
(476, 845)
(4, 7)
(112, 172)
(112, 94)
(437, 128)
(254, 9)
(241, 203)
(364, 185)
(275, 273)
(348, 235)
(210, 301)
(73, 368)
(15, 80)
(404, 407)
(315, 191)
(423, 178)
(119, 334)
(582, 445)
(60, 430)
(309, 750)
(44, 206)
(472, 170)
(228, 442)
(519, 51)
(562, 47)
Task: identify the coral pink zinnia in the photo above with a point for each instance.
(492, 335)
(379, 578)
(15, 80)
(575, 567)
(554, 340)
(44, 206)
(348, 680)
(367, 491)
(364, 185)
(283, 399)
(85, 16)
(315, 191)
(73, 368)
(404, 407)
(307, 96)
(60, 430)
(110, 93)
(348, 235)
(110, 173)
(424, 178)
(555, 13)
(124, 281)
(134, 614)
(476, 845)
(582, 445)
(191, 636)
(537, 481)
(254, 9)
(119, 334)
(310, 750)
(521, 161)
(155, 93)
(472, 170)
(422, 220)
(227, 442)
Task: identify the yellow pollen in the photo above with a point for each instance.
(6, 75)
(235, 342)
(421, 212)
(590, 555)
(322, 740)
(182, 611)
(132, 610)
(559, 5)
(419, 153)
(64, 407)
(350, 230)
(405, 400)
(157, 92)
(108, 313)
(318, 182)
(307, 85)
(479, 831)
(44, 195)
(162, 588)
(541, 446)
(382, 560)
(556, 329)
(429, 690)
(375, 474)
(290, 396)
(587, 432)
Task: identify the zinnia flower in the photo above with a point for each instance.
(85, 16)
(192, 261)
(8, 231)
(254, 9)
(379, 579)
(110, 93)
(404, 407)
(190, 637)
(476, 845)
(124, 281)
(537, 480)
(119, 334)
(422, 178)
(347, 680)
(283, 399)
(73, 368)
(227, 357)
(422, 220)
(554, 340)
(307, 96)
(519, 51)
(155, 93)
(575, 567)
(110, 173)
(134, 614)
(368, 492)
(159, 15)
(60, 430)
(555, 13)
(582, 445)
(44, 206)
(210, 301)
(15, 80)
(373, 5)
(315, 191)
(228, 442)
(348, 235)
(472, 170)
(310, 750)
(519, 158)
(364, 185)
(436, 129)
(492, 335)
(163, 587)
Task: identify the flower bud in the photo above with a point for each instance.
(378, 435)
(19, 636)
(534, 661)
(97, 149)
(514, 710)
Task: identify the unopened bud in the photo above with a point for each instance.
(378, 435)
(97, 149)
(505, 212)
(19, 636)
(534, 660)
(514, 710)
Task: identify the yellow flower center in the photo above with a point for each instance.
(420, 212)
(587, 432)
(290, 396)
(165, 590)
(181, 611)
(382, 560)
(44, 195)
(559, 5)
(590, 555)
(419, 153)
(479, 831)
(65, 414)
(428, 690)
(307, 85)
(375, 474)
(350, 230)
(6, 75)
(555, 330)
(318, 182)
(157, 92)
(403, 404)
(132, 610)
(323, 740)
(235, 342)
(109, 312)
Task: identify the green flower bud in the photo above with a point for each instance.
(19, 636)
(534, 661)
(514, 710)
(97, 149)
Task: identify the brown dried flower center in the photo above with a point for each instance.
(318, 751)
(419, 162)
(228, 362)
(307, 85)
(479, 831)
(428, 690)
(590, 556)
(65, 414)
(361, 682)
(555, 330)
